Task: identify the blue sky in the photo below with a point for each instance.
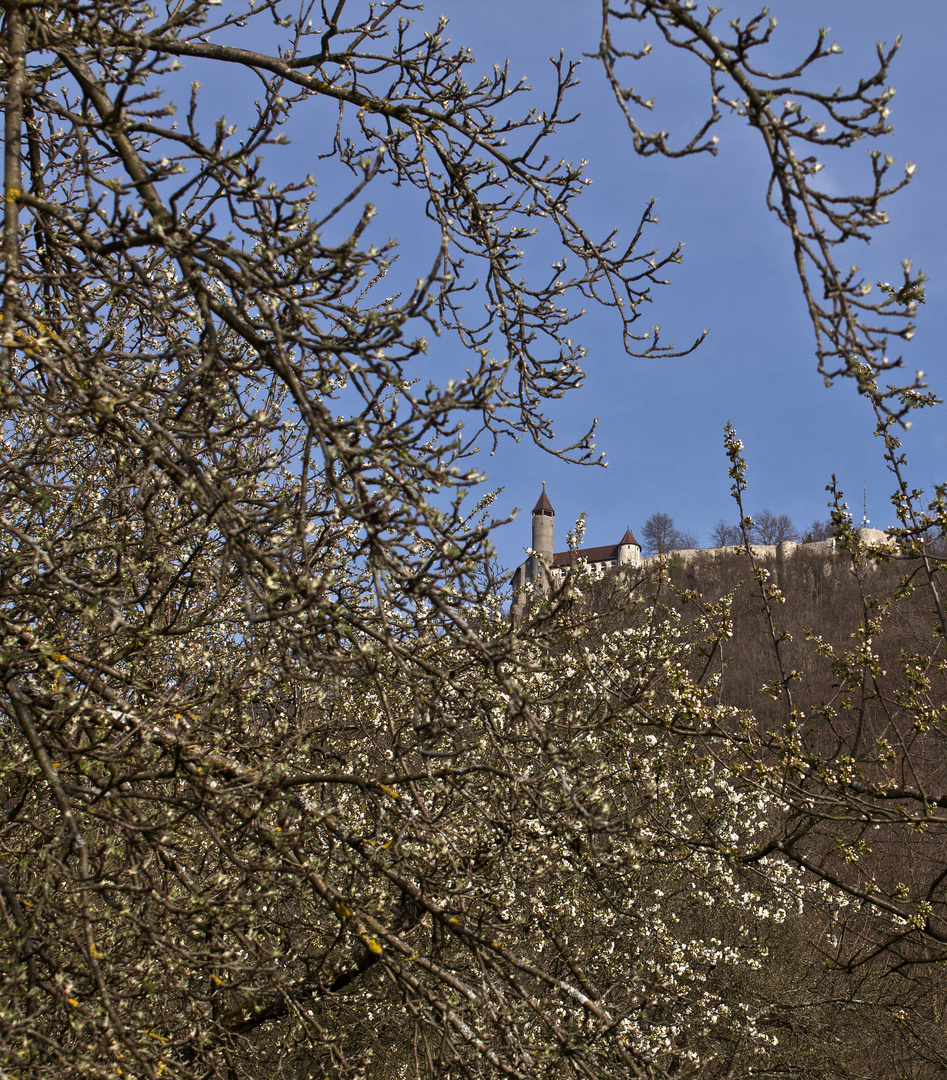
(661, 421)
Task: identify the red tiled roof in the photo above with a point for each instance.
(596, 554)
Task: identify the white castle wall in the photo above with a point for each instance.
(779, 552)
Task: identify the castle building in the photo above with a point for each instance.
(546, 564)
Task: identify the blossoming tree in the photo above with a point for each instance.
(283, 793)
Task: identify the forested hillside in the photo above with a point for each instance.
(807, 702)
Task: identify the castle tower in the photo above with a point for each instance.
(544, 518)
(629, 550)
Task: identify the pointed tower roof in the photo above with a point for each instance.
(628, 538)
(543, 503)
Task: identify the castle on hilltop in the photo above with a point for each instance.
(546, 566)
(546, 563)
